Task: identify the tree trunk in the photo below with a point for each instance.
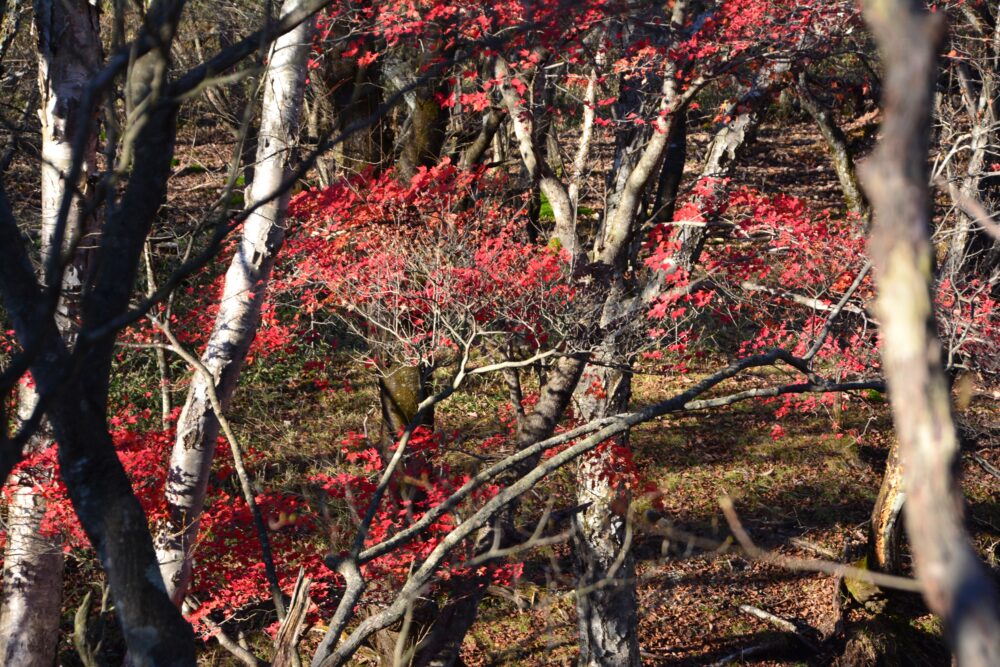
(729, 144)
(475, 151)
(672, 171)
(885, 530)
(606, 600)
(33, 568)
(540, 176)
(350, 95)
(77, 385)
(400, 390)
(836, 142)
(956, 584)
(427, 127)
(239, 311)
(69, 55)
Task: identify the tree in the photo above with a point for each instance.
(955, 583)
(603, 249)
(97, 485)
(69, 56)
(240, 304)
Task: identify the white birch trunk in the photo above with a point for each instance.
(239, 312)
(69, 55)
(33, 567)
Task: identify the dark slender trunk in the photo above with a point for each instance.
(354, 105)
(476, 150)
(672, 171)
(426, 132)
(840, 152)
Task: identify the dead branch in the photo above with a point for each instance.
(779, 622)
(285, 652)
(985, 465)
(809, 564)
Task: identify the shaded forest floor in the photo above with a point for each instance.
(808, 494)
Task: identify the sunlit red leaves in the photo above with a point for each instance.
(444, 248)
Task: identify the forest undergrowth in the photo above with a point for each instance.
(803, 486)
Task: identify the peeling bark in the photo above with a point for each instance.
(606, 598)
(239, 311)
(69, 49)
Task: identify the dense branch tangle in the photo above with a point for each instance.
(446, 272)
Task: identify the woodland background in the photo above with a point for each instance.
(521, 333)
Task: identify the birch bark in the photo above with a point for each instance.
(69, 53)
(239, 311)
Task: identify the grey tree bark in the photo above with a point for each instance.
(73, 386)
(476, 151)
(957, 586)
(728, 145)
(840, 152)
(239, 311)
(69, 50)
(885, 529)
(606, 601)
(606, 597)
(424, 134)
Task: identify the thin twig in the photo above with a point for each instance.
(810, 564)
